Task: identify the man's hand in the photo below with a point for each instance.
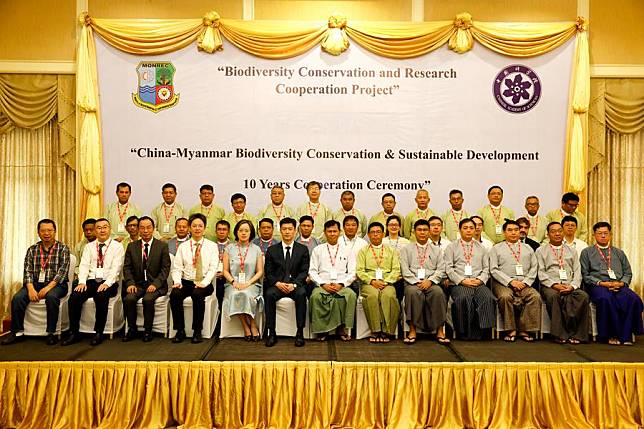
(328, 287)
(80, 288)
(102, 287)
(151, 289)
(200, 285)
(177, 286)
(131, 289)
(378, 284)
(518, 285)
(470, 282)
(283, 287)
(219, 274)
(33, 295)
(425, 284)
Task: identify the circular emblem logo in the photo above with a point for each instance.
(517, 88)
(164, 93)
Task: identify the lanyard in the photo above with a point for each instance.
(467, 255)
(242, 259)
(314, 214)
(421, 260)
(560, 256)
(516, 255)
(278, 215)
(382, 255)
(100, 258)
(145, 253)
(209, 209)
(497, 217)
(454, 216)
(606, 259)
(165, 212)
(261, 245)
(44, 263)
(334, 257)
(536, 225)
(122, 216)
(222, 247)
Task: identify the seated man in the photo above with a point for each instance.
(305, 237)
(222, 229)
(285, 270)
(332, 270)
(46, 273)
(98, 275)
(560, 277)
(350, 239)
(524, 228)
(423, 269)
(266, 236)
(378, 268)
(182, 235)
(145, 275)
(513, 266)
(89, 235)
(479, 232)
(607, 275)
(569, 225)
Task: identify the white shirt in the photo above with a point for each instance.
(322, 265)
(442, 243)
(284, 245)
(486, 243)
(183, 267)
(113, 255)
(354, 245)
(577, 245)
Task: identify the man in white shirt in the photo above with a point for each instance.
(479, 232)
(350, 239)
(569, 225)
(166, 214)
(100, 269)
(193, 271)
(436, 233)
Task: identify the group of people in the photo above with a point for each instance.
(486, 263)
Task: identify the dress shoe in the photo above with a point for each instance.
(271, 340)
(73, 338)
(131, 334)
(98, 338)
(179, 337)
(12, 339)
(147, 337)
(51, 339)
(196, 338)
(299, 341)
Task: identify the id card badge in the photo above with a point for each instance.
(333, 274)
(241, 277)
(220, 267)
(611, 274)
(120, 228)
(518, 269)
(468, 270)
(41, 277)
(421, 274)
(563, 275)
(379, 274)
(166, 228)
(99, 274)
(498, 229)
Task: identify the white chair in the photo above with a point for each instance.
(593, 321)
(233, 329)
(36, 314)
(362, 326)
(209, 320)
(161, 309)
(115, 318)
(285, 319)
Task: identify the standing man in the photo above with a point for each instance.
(285, 271)
(209, 209)
(305, 236)
(347, 201)
(182, 234)
(266, 237)
(276, 210)
(436, 233)
(607, 276)
(314, 208)
(494, 214)
(422, 211)
(569, 225)
(513, 266)
(118, 212)
(453, 216)
(388, 202)
(378, 268)
(332, 270)
(569, 204)
(98, 275)
(239, 213)
(145, 276)
(560, 277)
(46, 271)
(166, 214)
(537, 231)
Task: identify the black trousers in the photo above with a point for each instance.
(273, 294)
(101, 301)
(219, 292)
(20, 301)
(129, 307)
(198, 296)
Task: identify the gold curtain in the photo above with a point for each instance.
(27, 101)
(285, 39)
(35, 184)
(321, 395)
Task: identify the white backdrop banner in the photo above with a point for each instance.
(358, 121)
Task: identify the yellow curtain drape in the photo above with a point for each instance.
(27, 101)
(321, 395)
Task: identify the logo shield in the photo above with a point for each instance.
(156, 88)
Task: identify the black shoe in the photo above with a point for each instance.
(299, 341)
(12, 339)
(179, 337)
(72, 339)
(147, 337)
(196, 338)
(51, 339)
(131, 334)
(98, 338)
(271, 340)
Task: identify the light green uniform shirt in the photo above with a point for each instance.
(493, 219)
(117, 214)
(165, 217)
(582, 226)
(411, 218)
(538, 225)
(320, 214)
(276, 214)
(451, 219)
(233, 219)
(213, 215)
(366, 264)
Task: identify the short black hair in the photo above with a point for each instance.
(313, 183)
(466, 220)
(347, 193)
(523, 220)
(181, 218)
(388, 194)
(244, 222)
(551, 224)
(206, 188)
(88, 221)
(569, 219)
(46, 221)
(223, 222)
(509, 222)
(196, 216)
(305, 218)
(602, 224)
(421, 222)
(376, 225)
(123, 185)
(569, 196)
(131, 218)
(434, 218)
(394, 217)
(331, 223)
(289, 221)
(237, 196)
(493, 187)
(455, 191)
(146, 218)
(266, 220)
(350, 217)
(168, 185)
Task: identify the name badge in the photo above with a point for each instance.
(241, 277)
(99, 274)
(120, 228)
(41, 277)
(421, 274)
(518, 269)
(220, 267)
(379, 274)
(563, 275)
(468, 270)
(611, 274)
(166, 228)
(333, 274)
(498, 229)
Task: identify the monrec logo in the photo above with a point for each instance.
(517, 88)
(155, 91)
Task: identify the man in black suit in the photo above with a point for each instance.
(286, 267)
(524, 227)
(145, 273)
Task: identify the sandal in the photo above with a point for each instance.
(345, 337)
(409, 340)
(509, 338)
(443, 340)
(384, 339)
(561, 341)
(374, 339)
(574, 341)
(527, 338)
(322, 337)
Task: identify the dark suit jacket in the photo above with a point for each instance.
(533, 244)
(275, 265)
(158, 266)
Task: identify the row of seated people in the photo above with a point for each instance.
(334, 273)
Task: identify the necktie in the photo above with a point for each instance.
(199, 266)
(287, 265)
(100, 255)
(145, 260)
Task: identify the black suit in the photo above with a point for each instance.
(157, 268)
(275, 270)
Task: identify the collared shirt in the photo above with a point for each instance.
(117, 214)
(284, 246)
(432, 261)
(165, 217)
(354, 244)
(56, 269)
(184, 266)
(456, 261)
(442, 243)
(503, 262)
(549, 258)
(113, 255)
(326, 259)
(175, 242)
